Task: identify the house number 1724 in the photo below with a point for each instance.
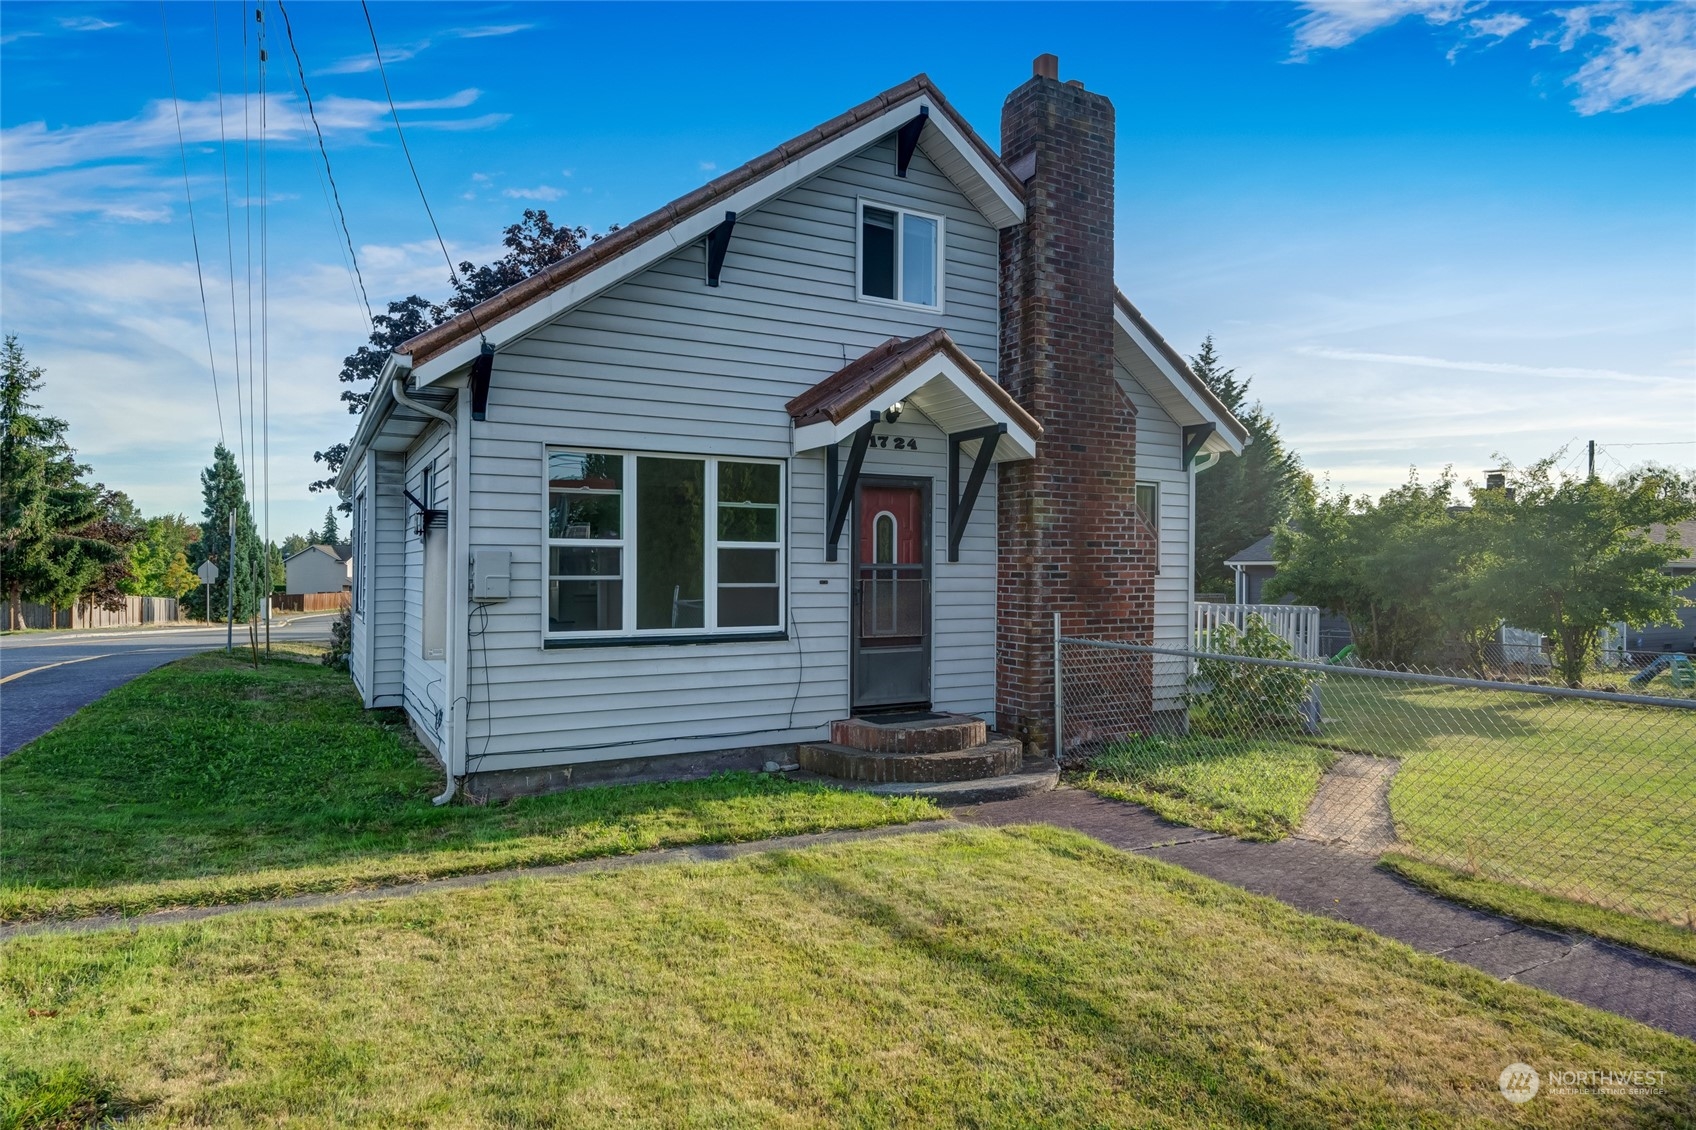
(902, 443)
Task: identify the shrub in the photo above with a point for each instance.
(1244, 698)
(341, 640)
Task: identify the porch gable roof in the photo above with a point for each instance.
(930, 372)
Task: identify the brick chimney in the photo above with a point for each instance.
(1071, 541)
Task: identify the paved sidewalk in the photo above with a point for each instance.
(1345, 884)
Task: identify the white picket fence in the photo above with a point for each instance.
(1296, 624)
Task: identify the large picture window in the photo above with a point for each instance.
(900, 256)
(662, 545)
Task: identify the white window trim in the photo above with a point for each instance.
(626, 544)
(1153, 520)
(864, 202)
(360, 524)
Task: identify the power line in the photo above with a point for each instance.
(394, 113)
(194, 234)
(328, 171)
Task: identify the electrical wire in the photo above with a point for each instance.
(229, 235)
(194, 233)
(404, 148)
(312, 111)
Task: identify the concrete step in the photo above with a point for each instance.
(940, 733)
(1035, 775)
(990, 759)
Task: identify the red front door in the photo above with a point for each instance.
(892, 597)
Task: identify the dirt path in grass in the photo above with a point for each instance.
(1351, 810)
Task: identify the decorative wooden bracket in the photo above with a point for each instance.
(718, 242)
(482, 370)
(960, 504)
(841, 496)
(1194, 436)
(907, 140)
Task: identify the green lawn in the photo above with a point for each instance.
(1254, 789)
(208, 781)
(977, 978)
(1592, 802)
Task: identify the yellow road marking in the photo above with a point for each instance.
(49, 666)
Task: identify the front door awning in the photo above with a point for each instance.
(930, 373)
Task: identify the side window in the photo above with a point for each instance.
(359, 554)
(435, 576)
(900, 256)
(1148, 505)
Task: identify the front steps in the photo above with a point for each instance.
(949, 757)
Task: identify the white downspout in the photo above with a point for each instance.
(453, 520)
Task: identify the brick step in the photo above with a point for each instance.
(992, 758)
(943, 733)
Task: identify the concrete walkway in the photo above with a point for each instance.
(1343, 882)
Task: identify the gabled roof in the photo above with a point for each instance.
(947, 138)
(929, 371)
(1189, 400)
(1260, 553)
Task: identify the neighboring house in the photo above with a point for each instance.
(1680, 636)
(835, 434)
(1253, 566)
(319, 568)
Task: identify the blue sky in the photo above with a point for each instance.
(1431, 231)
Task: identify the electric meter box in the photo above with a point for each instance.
(491, 574)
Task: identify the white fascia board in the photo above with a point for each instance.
(1016, 444)
(1179, 384)
(520, 323)
(371, 421)
(1012, 209)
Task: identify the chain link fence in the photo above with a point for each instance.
(1586, 796)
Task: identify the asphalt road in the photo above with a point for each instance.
(46, 678)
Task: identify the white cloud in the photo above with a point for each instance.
(32, 146)
(1500, 368)
(363, 62)
(86, 23)
(540, 192)
(1330, 24)
(1646, 57)
(708, 166)
(1499, 26)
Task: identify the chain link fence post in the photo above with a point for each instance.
(1059, 696)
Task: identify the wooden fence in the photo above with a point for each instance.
(136, 610)
(309, 602)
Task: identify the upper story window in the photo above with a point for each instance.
(359, 554)
(900, 255)
(662, 545)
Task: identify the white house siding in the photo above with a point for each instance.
(385, 596)
(1160, 459)
(313, 571)
(663, 363)
(423, 681)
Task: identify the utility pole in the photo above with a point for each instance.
(1592, 460)
(230, 626)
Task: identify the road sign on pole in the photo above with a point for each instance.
(208, 574)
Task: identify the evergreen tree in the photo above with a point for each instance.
(331, 533)
(1241, 500)
(44, 503)
(223, 491)
(293, 544)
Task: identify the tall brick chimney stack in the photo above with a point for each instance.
(1071, 541)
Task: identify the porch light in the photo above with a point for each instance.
(893, 412)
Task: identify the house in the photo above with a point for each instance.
(834, 436)
(1681, 636)
(1252, 566)
(319, 568)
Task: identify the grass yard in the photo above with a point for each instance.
(1029, 977)
(208, 781)
(1257, 790)
(1592, 802)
